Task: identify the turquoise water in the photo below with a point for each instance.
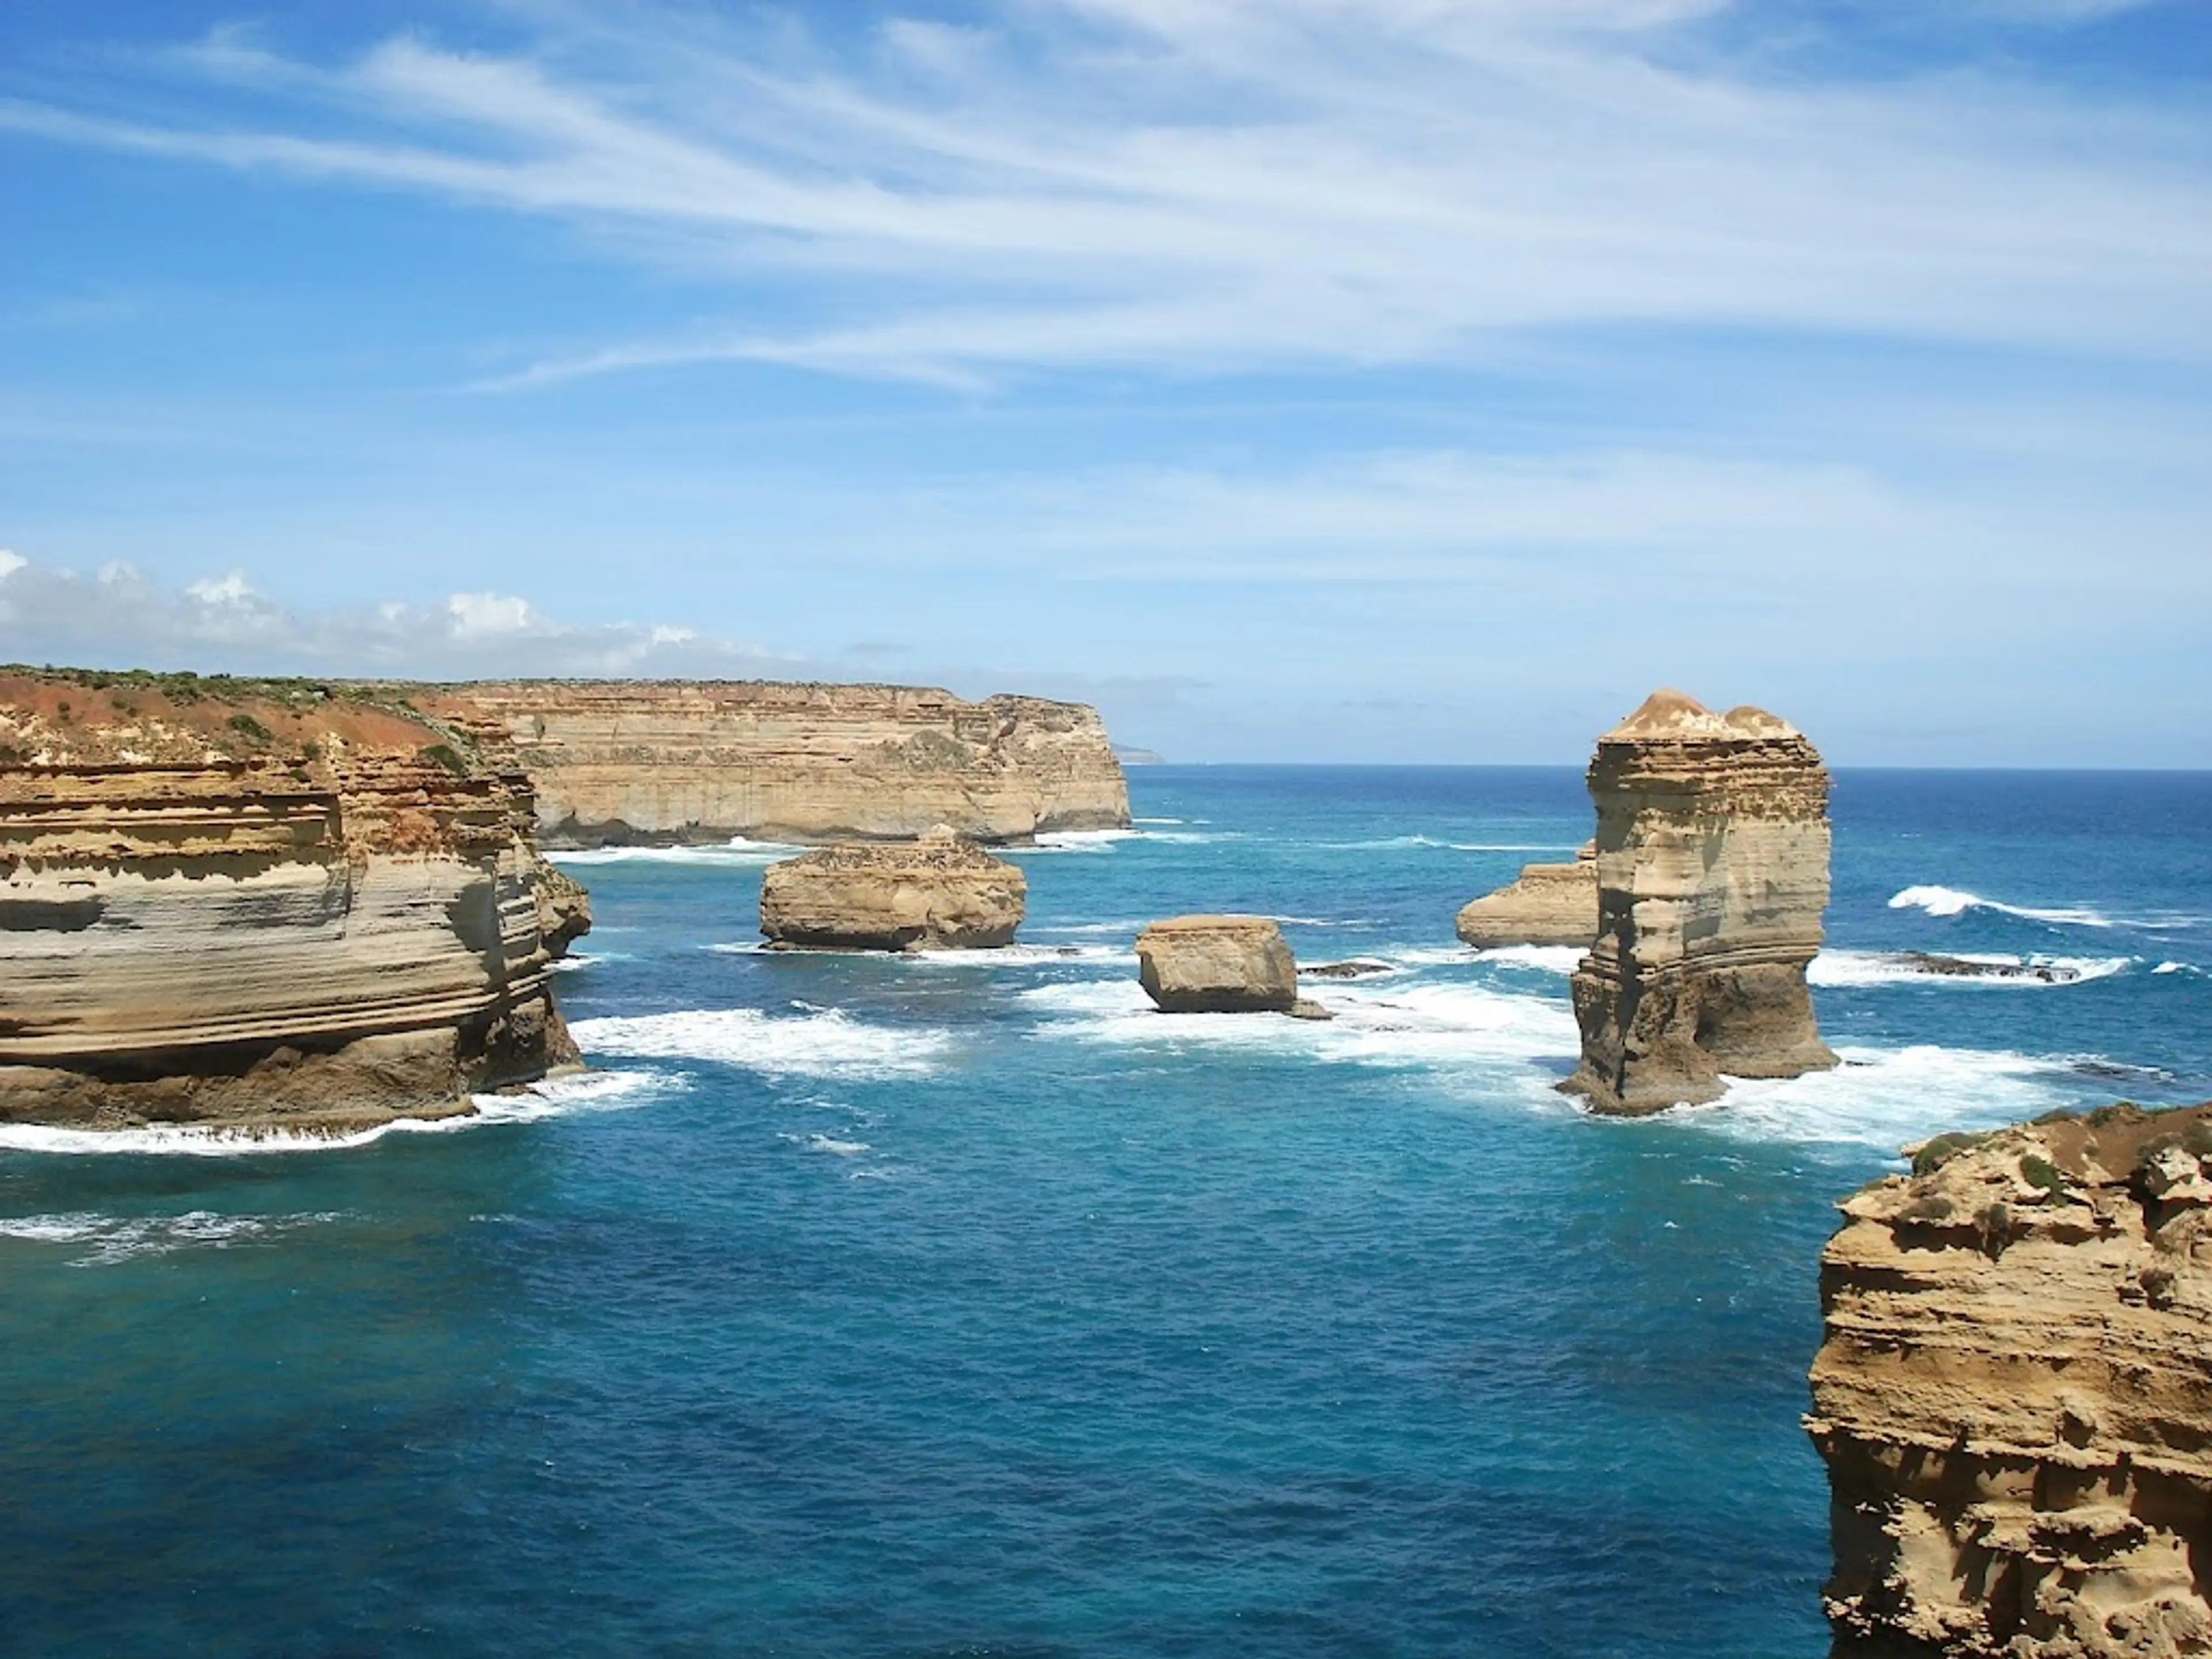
(957, 1306)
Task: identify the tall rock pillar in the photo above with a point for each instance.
(1712, 871)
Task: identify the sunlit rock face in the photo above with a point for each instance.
(264, 903)
(664, 761)
(1712, 874)
(941, 892)
(1218, 965)
(2014, 1395)
(1549, 904)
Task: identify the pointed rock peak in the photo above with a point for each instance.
(1669, 713)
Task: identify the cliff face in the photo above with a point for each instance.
(262, 905)
(940, 892)
(1712, 871)
(667, 762)
(2015, 1396)
(1550, 904)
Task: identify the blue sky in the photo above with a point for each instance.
(1298, 379)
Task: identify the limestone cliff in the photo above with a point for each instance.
(2015, 1396)
(1217, 965)
(262, 903)
(663, 762)
(1712, 871)
(940, 892)
(1550, 904)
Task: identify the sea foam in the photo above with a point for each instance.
(551, 1097)
(738, 851)
(813, 1042)
(120, 1239)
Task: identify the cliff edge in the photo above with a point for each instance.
(264, 903)
(662, 761)
(2014, 1395)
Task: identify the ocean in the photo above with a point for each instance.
(959, 1305)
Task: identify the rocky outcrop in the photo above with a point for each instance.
(1218, 965)
(2015, 1396)
(1712, 873)
(263, 904)
(664, 762)
(941, 892)
(1550, 904)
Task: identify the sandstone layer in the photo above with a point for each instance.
(1712, 874)
(1219, 965)
(1550, 904)
(942, 891)
(263, 904)
(2015, 1396)
(666, 762)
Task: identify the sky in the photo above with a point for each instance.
(1392, 380)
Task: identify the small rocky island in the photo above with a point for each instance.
(1712, 874)
(2015, 1396)
(1549, 904)
(941, 892)
(264, 903)
(1220, 965)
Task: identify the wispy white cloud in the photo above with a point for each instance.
(121, 617)
(1188, 185)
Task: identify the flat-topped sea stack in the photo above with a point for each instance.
(2015, 1396)
(1550, 904)
(1218, 965)
(1712, 874)
(941, 892)
(665, 763)
(262, 905)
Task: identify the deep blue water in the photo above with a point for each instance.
(945, 1307)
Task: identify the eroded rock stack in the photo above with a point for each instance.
(263, 904)
(941, 892)
(1218, 965)
(1712, 872)
(1550, 904)
(2015, 1396)
(664, 762)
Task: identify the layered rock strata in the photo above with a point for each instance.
(1712, 874)
(2014, 1395)
(263, 904)
(664, 762)
(1218, 965)
(941, 892)
(1549, 904)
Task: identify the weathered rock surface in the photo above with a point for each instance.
(1550, 904)
(666, 762)
(263, 904)
(1712, 871)
(2015, 1396)
(942, 891)
(1218, 965)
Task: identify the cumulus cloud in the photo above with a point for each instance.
(121, 617)
(1206, 185)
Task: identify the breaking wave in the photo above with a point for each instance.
(814, 1043)
(110, 1238)
(556, 1096)
(1885, 1098)
(1951, 902)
